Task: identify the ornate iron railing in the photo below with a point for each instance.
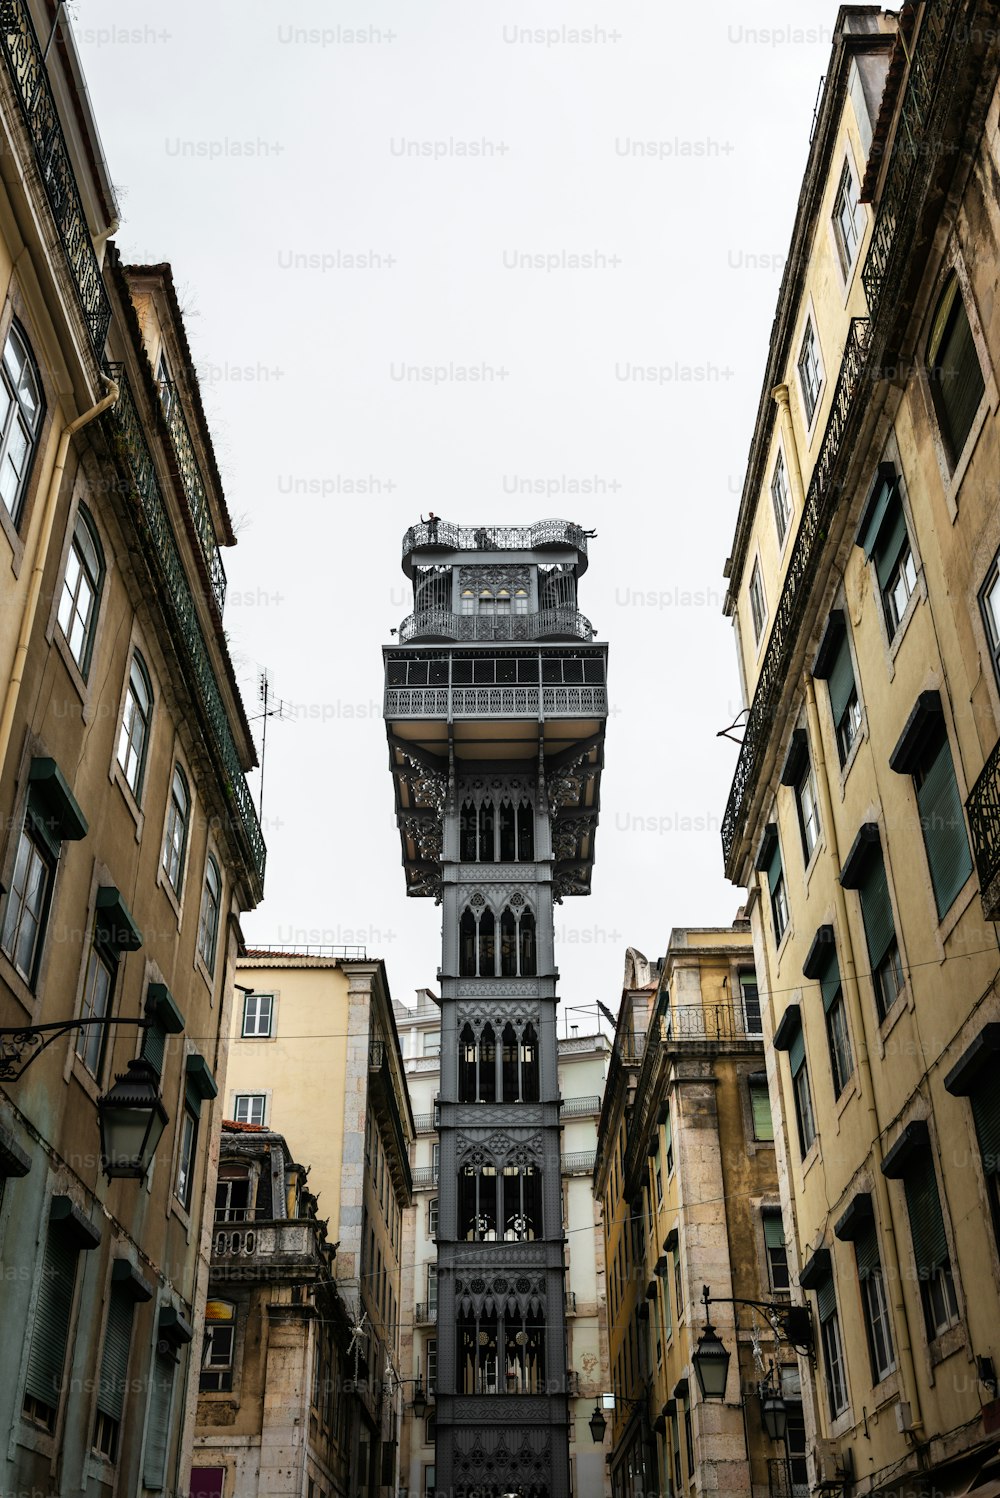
(425, 1175)
(194, 488)
(23, 55)
(491, 702)
(152, 522)
(443, 624)
(451, 537)
(425, 1313)
(698, 1022)
(578, 1162)
(888, 247)
(424, 1123)
(983, 807)
(580, 1107)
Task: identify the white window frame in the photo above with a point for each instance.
(756, 585)
(251, 1097)
(810, 331)
(257, 1033)
(847, 256)
(782, 516)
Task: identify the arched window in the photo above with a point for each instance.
(175, 841)
(467, 945)
(953, 369)
(526, 934)
(80, 600)
(529, 1065)
(467, 1068)
(503, 603)
(478, 1354)
(509, 1065)
(208, 921)
(521, 1216)
(467, 833)
(525, 832)
(487, 945)
(521, 601)
(502, 1351)
(487, 1091)
(477, 1204)
(468, 601)
(508, 945)
(508, 839)
(20, 420)
(134, 736)
(232, 1193)
(487, 833)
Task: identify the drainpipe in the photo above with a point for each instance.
(781, 399)
(909, 1391)
(41, 553)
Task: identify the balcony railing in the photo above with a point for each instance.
(26, 66)
(496, 702)
(570, 1302)
(701, 1022)
(983, 807)
(194, 488)
(581, 1107)
(266, 1246)
(153, 524)
(425, 1175)
(443, 624)
(426, 1313)
(424, 1123)
(449, 537)
(578, 1162)
(889, 246)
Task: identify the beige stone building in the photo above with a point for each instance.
(687, 1181)
(129, 845)
(274, 1412)
(315, 1054)
(864, 810)
(583, 1063)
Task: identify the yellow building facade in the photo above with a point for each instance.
(315, 1054)
(863, 814)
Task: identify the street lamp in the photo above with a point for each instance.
(132, 1119)
(773, 1410)
(598, 1425)
(419, 1402)
(711, 1358)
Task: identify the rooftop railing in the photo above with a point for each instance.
(443, 624)
(496, 701)
(449, 537)
(152, 522)
(26, 65)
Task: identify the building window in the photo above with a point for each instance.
(953, 370)
(804, 1116)
(885, 540)
(157, 1448)
(848, 219)
(175, 841)
(165, 382)
(780, 497)
(777, 1255)
(432, 1288)
(81, 590)
(750, 996)
(218, 1347)
(232, 1194)
(827, 971)
(833, 1348)
(758, 602)
(43, 1385)
(114, 1371)
(880, 934)
(20, 421)
(432, 1042)
(432, 1366)
(27, 907)
(134, 736)
(807, 806)
(930, 1244)
(760, 1108)
(186, 1157)
(208, 920)
(97, 992)
(810, 373)
(874, 1303)
(250, 1107)
(432, 1217)
(430, 1481)
(770, 862)
(989, 603)
(835, 665)
(941, 818)
(258, 1012)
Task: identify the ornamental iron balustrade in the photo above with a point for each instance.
(152, 522)
(578, 1162)
(493, 702)
(26, 67)
(882, 272)
(194, 489)
(425, 1175)
(450, 537)
(581, 1107)
(424, 1123)
(983, 807)
(699, 1022)
(425, 1313)
(442, 623)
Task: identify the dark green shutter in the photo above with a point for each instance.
(154, 1045)
(876, 909)
(774, 867)
(890, 542)
(760, 1103)
(961, 378)
(829, 979)
(944, 828)
(797, 1052)
(826, 1298)
(985, 1100)
(841, 681)
(774, 1232)
(866, 1249)
(114, 1362)
(930, 1245)
(47, 1354)
(154, 1465)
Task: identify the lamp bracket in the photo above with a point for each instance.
(22, 1044)
(789, 1322)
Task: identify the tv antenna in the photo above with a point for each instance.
(270, 710)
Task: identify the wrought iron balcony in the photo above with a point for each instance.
(444, 536)
(442, 624)
(194, 488)
(424, 1123)
(151, 520)
(425, 1313)
(715, 1023)
(496, 702)
(424, 1176)
(889, 247)
(581, 1107)
(983, 807)
(26, 67)
(267, 1248)
(578, 1162)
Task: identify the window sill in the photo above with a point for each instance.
(117, 777)
(171, 894)
(957, 909)
(953, 480)
(946, 1344)
(896, 643)
(28, 1001)
(42, 1442)
(901, 1004)
(848, 765)
(847, 1096)
(73, 671)
(14, 540)
(810, 1157)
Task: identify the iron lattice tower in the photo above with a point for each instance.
(495, 706)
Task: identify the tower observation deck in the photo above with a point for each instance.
(495, 706)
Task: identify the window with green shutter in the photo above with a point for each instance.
(880, 933)
(777, 1255)
(50, 1328)
(114, 1371)
(954, 373)
(930, 1244)
(835, 666)
(157, 1448)
(942, 820)
(760, 1107)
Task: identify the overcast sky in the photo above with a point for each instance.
(552, 199)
